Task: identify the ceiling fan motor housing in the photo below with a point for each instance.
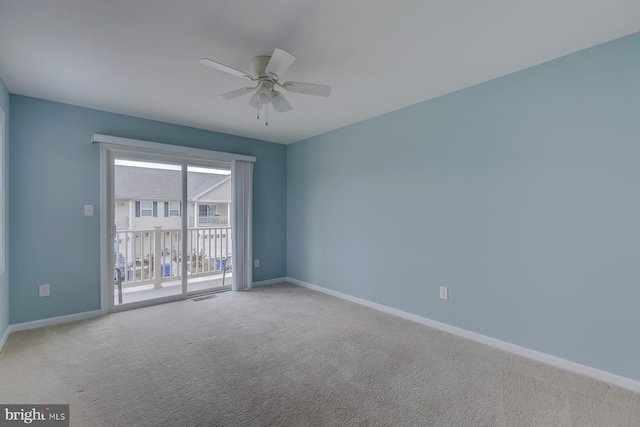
(259, 64)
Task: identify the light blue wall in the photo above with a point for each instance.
(4, 277)
(520, 194)
(55, 171)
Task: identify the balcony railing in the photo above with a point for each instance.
(122, 222)
(136, 253)
(204, 221)
(213, 220)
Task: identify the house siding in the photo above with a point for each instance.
(220, 193)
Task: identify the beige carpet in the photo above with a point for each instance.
(287, 356)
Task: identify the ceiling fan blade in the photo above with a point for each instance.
(235, 93)
(279, 63)
(224, 68)
(307, 88)
(280, 103)
(254, 102)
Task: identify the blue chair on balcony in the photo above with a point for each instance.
(120, 263)
(226, 265)
(118, 282)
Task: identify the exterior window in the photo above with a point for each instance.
(207, 210)
(146, 208)
(206, 214)
(174, 208)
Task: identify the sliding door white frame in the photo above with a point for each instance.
(112, 147)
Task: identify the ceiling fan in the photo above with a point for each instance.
(266, 75)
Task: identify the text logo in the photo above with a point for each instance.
(34, 415)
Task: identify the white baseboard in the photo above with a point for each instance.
(270, 281)
(53, 321)
(587, 371)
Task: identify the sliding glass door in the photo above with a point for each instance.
(147, 241)
(209, 229)
(171, 227)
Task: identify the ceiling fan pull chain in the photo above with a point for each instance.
(266, 115)
(258, 112)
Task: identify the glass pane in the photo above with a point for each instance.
(147, 245)
(209, 233)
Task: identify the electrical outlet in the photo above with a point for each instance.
(88, 210)
(444, 292)
(256, 263)
(44, 290)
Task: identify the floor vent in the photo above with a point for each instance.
(209, 295)
(203, 298)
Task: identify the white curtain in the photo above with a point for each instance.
(242, 207)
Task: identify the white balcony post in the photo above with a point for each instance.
(157, 249)
(132, 213)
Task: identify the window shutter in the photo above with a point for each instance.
(155, 209)
(166, 209)
(137, 209)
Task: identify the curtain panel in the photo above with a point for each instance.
(242, 208)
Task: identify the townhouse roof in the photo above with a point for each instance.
(160, 184)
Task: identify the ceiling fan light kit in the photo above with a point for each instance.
(266, 73)
(264, 93)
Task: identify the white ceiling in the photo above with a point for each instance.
(140, 57)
